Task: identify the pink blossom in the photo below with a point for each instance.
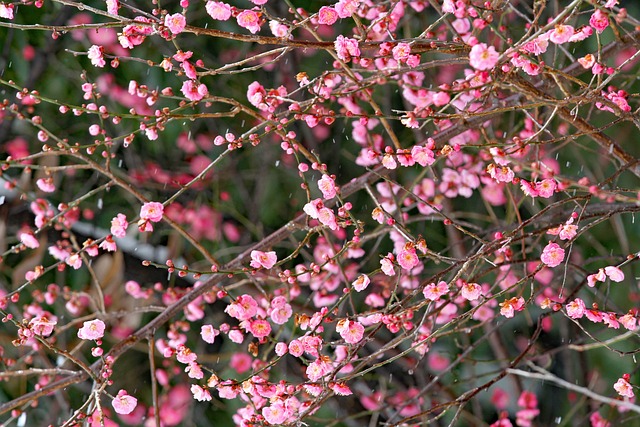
(43, 325)
(119, 225)
(112, 7)
(587, 61)
(629, 321)
(95, 54)
(243, 308)
(175, 23)
(259, 328)
(401, 52)
(279, 29)
(194, 91)
(361, 283)
(546, 188)
(407, 258)
(599, 21)
(327, 15)
(296, 348)
(46, 185)
(200, 394)
(123, 403)
(276, 413)
(209, 333)
(340, 388)
(152, 211)
(623, 388)
(74, 260)
(92, 330)
(471, 291)
(614, 273)
(281, 310)
(510, 306)
(433, 292)
(6, 10)
(350, 330)
(423, 155)
(263, 259)
(482, 57)
(561, 34)
(346, 48)
(328, 218)
(552, 255)
(281, 349)
(386, 264)
(328, 187)
(218, 10)
(29, 240)
(576, 309)
(318, 369)
(250, 20)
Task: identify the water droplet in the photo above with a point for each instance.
(277, 163)
(2, 200)
(100, 203)
(410, 372)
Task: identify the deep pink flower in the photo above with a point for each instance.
(281, 310)
(576, 309)
(350, 330)
(92, 330)
(346, 48)
(194, 91)
(599, 21)
(259, 328)
(123, 403)
(482, 57)
(552, 255)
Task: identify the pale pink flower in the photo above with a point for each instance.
(623, 388)
(209, 333)
(561, 34)
(296, 348)
(350, 330)
(6, 10)
(152, 211)
(610, 320)
(200, 394)
(281, 310)
(175, 23)
(276, 413)
(599, 21)
(361, 283)
(587, 61)
(43, 325)
(510, 306)
(328, 187)
(423, 155)
(123, 403)
(576, 309)
(29, 240)
(328, 218)
(318, 369)
(552, 255)
(629, 321)
(218, 10)
(386, 265)
(95, 54)
(92, 330)
(279, 29)
(250, 20)
(263, 259)
(327, 15)
(471, 291)
(614, 273)
(341, 389)
(611, 3)
(482, 57)
(281, 349)
(74, 261)
(112, 7)
(433, 292)
(119, 225)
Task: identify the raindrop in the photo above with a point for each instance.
(568, 164)
(277, 163)
(2, 200)
(242, 125)
(100, 203)
(410, 372)
(22, 420)
(120, 163)
(558, 420)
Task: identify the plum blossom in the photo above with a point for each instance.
(361, 283)
(175, 23)
(112, 7)
(92, 330)
(599, 21)
(194, 91)
(510, 306)
(200, 394)
(482, 57)
(281, 310)
(328, 187)
(209, 333)
(561, 34)
(152, 211)
(623, 387)
(250, 20)
(350, 330)
(346, 48)
(433, 292)
(576, 309)
(95, 54)
(218, 10)
(29, 240)
(263, 259)
(6, 10)
(123, 403)
(119, 225)
(552, 255)
(471, 291)
(327, 15)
